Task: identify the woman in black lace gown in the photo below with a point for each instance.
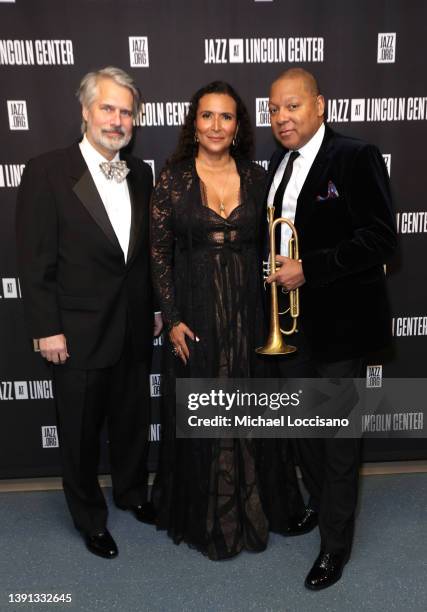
(206, 216)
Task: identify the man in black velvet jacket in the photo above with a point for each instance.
(82, 231)
(336, 189)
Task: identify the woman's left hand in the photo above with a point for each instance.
(177, 337)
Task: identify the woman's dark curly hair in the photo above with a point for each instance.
(244, 143)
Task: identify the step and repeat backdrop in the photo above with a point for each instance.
(369, 58)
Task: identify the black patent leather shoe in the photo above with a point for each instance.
(303, 524)
(102, 544)
(143, 512)
(327, 570)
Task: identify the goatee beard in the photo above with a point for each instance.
(114, 144)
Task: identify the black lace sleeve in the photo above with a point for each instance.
(162, 247)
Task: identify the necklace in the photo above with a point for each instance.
(222, 209)
(221, 200)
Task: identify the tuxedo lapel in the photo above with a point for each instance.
(137, 211)
(85, 189)
(139, 218)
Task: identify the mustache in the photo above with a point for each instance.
(118, 131)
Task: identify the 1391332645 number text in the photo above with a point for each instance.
(40, 598)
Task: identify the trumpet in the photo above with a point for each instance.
(275, 344)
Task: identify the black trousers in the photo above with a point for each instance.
(330, 467)
(84, 400)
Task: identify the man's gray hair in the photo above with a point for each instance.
(88, 88)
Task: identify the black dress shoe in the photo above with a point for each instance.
(102, 544)
(327, 570)
(303, 524)
(143, 512)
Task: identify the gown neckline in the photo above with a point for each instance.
(204, 197)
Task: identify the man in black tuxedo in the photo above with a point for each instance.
(82, 234)
(336, 190)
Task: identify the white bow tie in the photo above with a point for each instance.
(115, 170)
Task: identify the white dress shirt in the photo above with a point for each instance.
(115, 196)
(300, 170)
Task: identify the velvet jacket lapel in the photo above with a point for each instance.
(317, 173)
(276, 158)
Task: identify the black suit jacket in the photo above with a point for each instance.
(73, 273)
(344, 242)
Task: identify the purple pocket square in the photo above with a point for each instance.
(332, 193)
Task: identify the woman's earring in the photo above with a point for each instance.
(196, 140)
